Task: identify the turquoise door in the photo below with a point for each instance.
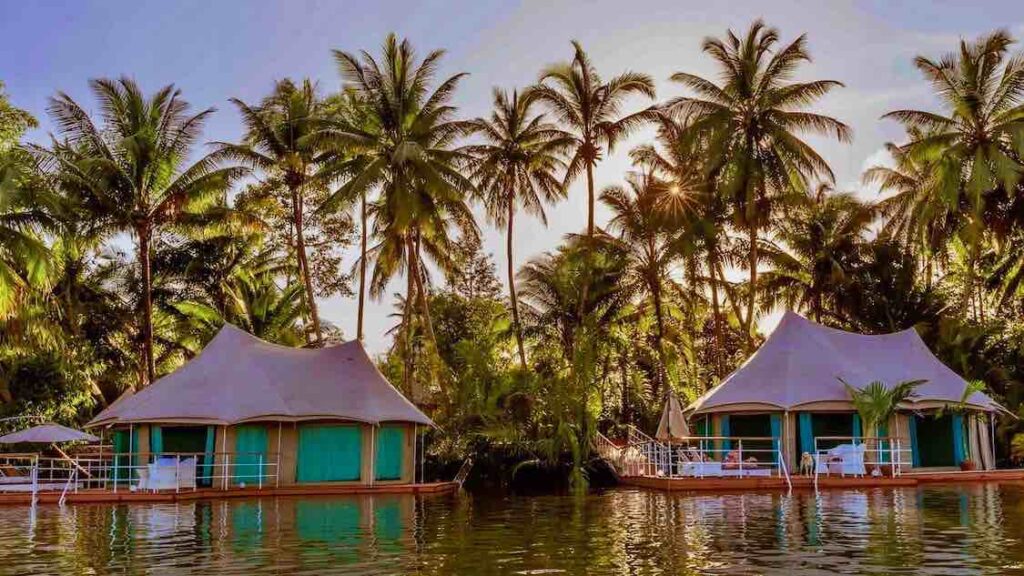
(329, 453)
(390, 448)
(250, 457)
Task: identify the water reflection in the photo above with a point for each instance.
(973, 529)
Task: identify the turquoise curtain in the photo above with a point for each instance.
(958, 439)
(329, 453)
(806, 432)
(915, 456)
(857, 432)
(776, 423)
(250, 453)
(883, 445)
(724, 424)
(208, 456)
(125, 447)
(156, 440)
(390, 444)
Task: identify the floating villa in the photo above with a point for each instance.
(786, 412)
(250, 415)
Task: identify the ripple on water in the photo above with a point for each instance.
(976, 529)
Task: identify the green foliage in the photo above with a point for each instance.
(716, 226)
(877, 402)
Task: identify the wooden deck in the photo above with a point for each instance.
(127, 496)
(824, 482)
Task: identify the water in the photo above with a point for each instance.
(976, 529)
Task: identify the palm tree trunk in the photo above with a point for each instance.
(410, 298)
(422, 291)
(512, 288)
(144, 234)
(659, 319)
(716, 326)
(748, 322)
(307, 280)
(584, 290)
(590, 200)
(362, 268)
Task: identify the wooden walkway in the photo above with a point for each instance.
(108, 496)
(824, 482)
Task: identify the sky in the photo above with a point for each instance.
(217, 49)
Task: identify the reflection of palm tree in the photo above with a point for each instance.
(133, 167)
(749, 127)
(516, 166)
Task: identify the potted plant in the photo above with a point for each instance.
(968, 465)
(876, 403)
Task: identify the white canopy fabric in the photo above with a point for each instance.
(47, 434)
(801, 362)
(673, 423)
(240, 378)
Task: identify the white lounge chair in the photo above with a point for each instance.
(844, 460)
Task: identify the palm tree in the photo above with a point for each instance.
(516, 167)
(255, 304)
(644, 239)
(972, 148)
(699, 217)
(134, 170)
(750, 127)
(912, 214)
(277, 142)
(876, 403)
(24, 257)
(821, 243)
(404, 148)
(592, 111)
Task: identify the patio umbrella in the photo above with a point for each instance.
(49, 433)
(673, 425)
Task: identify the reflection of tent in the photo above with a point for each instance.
(47, 434)
(673, 424)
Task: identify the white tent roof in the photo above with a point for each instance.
(239, 378)
(49, 433)
(801, 362)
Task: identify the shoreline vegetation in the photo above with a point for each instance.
(728, 214)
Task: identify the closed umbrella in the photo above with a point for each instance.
(673, 425)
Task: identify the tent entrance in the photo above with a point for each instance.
(832, 424)
(186, 439)
(935, 441)
(329, 453)
(747, 425)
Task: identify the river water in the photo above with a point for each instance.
(975, 529)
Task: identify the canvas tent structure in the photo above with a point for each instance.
(791, 389)
(249, 409)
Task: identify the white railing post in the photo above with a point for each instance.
(260, 470)
(227, 470)
(177, 473)
(740, 453)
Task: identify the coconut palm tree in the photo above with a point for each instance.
(877, 402)
(750, 126)
(24, 257)
(820, 244)
(134, 169)
(591, 109)
(643, 236)
(277, 143)
(404, 148)
(515, 167)
(972, 147)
